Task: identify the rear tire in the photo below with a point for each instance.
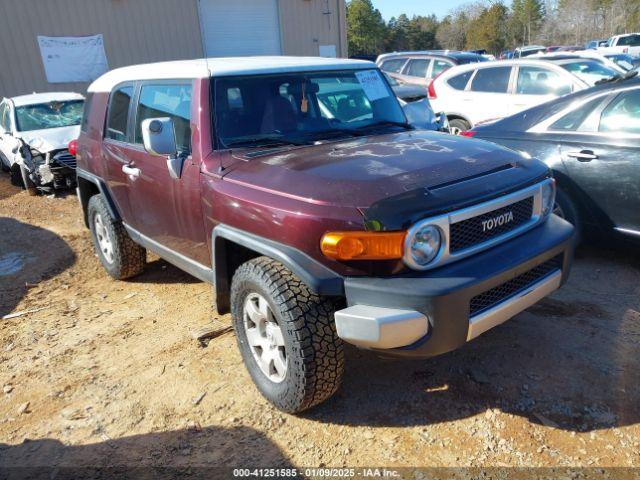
(120, 256)
(299, 361)
(27, 183)
(566, 209)
(458, 125)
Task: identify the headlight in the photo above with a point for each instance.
(548, 197)
(423, 246)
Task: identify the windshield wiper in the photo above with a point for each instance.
(618, 78)
(333, 133)
(262, 141)
(386, 123)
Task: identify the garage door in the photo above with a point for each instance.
(240, 27)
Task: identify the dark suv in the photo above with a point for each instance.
(297, 188)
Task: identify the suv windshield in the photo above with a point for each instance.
(55, 114)
(589, 71)
(303, 107)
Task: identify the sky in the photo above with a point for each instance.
(393, 8)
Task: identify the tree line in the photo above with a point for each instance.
(490, 25)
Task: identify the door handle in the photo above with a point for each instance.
(583, 155)
(131, 171)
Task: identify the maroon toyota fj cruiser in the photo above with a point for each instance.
(298, 189)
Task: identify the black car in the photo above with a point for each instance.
(591, 141)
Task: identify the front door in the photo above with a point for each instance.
(167, 210)
(606, 163)
(8, 142)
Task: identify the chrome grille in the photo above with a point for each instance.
(472, 231)
(499, 294)
(66, 159)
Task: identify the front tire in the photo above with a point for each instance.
(120, 256)
(286, 335)
(457, 126)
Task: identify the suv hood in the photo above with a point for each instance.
(50, 139)
(412, 172)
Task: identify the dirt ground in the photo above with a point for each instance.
(107, 373)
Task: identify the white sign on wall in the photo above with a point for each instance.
(328, 51)
(73, 59)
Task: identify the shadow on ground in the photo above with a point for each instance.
(191, 453)
(570, 362)
(28, 255)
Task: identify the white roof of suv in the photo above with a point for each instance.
(47, 97)
(222, 67)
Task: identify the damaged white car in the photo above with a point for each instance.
(35, 132)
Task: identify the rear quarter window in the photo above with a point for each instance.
(459, 82)
(118, 114)
(84, 126)
(393, 65)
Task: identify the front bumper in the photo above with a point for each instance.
(422, 314)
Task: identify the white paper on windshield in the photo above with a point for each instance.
(373, 86)
(73, 59)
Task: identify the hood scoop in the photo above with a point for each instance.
(501, 168)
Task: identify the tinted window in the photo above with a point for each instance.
(417, 68)
(623, 114)
(85, 114)
(173, 101)
(394, 65)
(118, 117)
(541, 81)
(629, 41)
(439, 66)
(494, 80)
(572, 120)
(459, 82)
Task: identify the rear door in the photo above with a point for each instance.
(489, 96)
(535, 85)
(168, 210)
(603, 158)
(415, 72)
(117, 147)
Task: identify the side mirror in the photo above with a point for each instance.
(159, 138)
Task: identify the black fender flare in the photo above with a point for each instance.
(101, 186)
(319, 278)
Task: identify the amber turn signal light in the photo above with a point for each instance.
(362, 245)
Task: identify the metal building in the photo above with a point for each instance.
(142, 31)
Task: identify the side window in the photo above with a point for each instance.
(459, 82)
(84, 126)
(494, 80)
(173, 101)
(118, 117)
(622, 114)
(393, 65)
(417, 67)
(541, 81)
(439, 66)
(574, 119)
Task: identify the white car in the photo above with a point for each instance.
(522, 52)
(35, 131)
(591, 54)
(472, 94)
(626, 43)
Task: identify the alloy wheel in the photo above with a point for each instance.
(264, 337)
(104, 241)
